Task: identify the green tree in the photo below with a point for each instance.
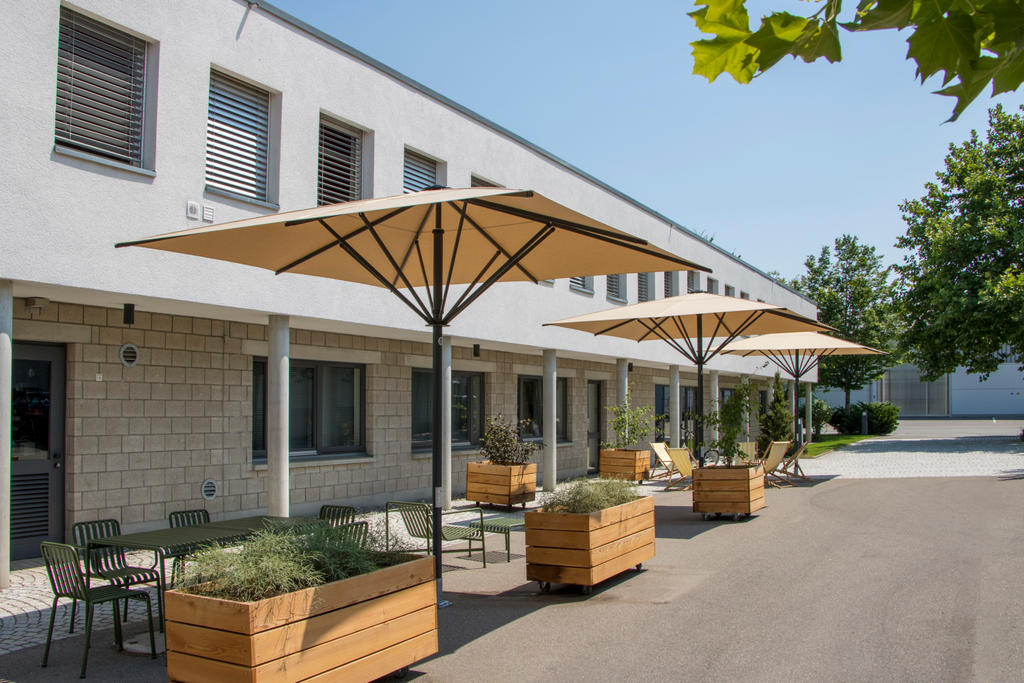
(777, 422)
(854, 295)
(962, 287)
(972, 43)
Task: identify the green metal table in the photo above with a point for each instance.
(500, 525)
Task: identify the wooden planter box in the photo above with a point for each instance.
(355, 629)
(586, 549)
(735, 490)
(501, 484)
(624, 463)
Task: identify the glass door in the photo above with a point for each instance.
(594, 424)
(37, 448)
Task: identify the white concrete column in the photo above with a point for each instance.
(675, 428)
(792, 406)
(808, 413)
(712, 404)
(550, 435)
(745, 380)
(446, 422)
(621, 380)
(278, 491)
(6, 392)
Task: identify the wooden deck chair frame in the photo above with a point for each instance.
(790, 466)
(771, 463)
(683, 464)
(663, 461)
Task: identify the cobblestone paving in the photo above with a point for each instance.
(996, 456)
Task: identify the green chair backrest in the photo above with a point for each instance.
(188, 518)
(65, 573)
(336, 515)
(102, 558)
(416, 517)
(353, 532)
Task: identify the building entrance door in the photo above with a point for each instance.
(594, 422)
(37, 448)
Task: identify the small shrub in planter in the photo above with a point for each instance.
(588, 531)
(507, 477)
(299, 602)
(630, 424)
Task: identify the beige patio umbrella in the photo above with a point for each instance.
(437, 250)
(797, 353)
(697, 325)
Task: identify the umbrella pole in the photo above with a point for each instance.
(698, 431)
(436, 431)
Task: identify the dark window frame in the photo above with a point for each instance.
(259, 456)
(420, 445)
(562, 433)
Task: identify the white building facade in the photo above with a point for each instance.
(128, 118)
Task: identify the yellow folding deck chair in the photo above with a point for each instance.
(790, 466)
(683, 467)
(748, 451)
(663, 467)
(772, 461)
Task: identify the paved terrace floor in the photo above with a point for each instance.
(853, 578)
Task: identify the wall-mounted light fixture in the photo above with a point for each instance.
(128, 314)
(630, 366)
(36, 304)
(476, 350)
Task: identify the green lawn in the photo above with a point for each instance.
(830, 442)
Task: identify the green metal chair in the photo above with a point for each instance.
(418, 524)
(176, 520)
(110, 563)
(336, 515)
(353, 532)
(67, 581)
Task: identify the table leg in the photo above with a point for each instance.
(508, 552)
(160, 589)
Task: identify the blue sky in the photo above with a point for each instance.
(772, 170)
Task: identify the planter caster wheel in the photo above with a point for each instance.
(640, 567)
(587, 590)
(737, 516)
(401, 673)
(545, 586)
(707, 516)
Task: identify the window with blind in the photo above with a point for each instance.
(616, 287)
(326, 409)
(671, 283)
(712, 285)
(692, 281)
(420, 172)
(477, 181)
(100, 89)
(730, 290)
(744, 295)
(582, 284)
(643, 286)
(339, 164)
(237, 138)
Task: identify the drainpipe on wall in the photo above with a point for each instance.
(550, 436)
(278, 500)
(6, 390)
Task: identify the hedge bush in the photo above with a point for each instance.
(883, 418)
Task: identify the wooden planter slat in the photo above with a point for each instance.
(728, 490)
(586, 549)
(501, 484)
(567, 521)
(303, 634)
(624, 464)
(381, 663)
(593, 539)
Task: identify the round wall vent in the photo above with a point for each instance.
(209, 489)
(129, 355)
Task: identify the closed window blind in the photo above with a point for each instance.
(477, 181)
(420, 172)
(581, 282)
(237, 137)
(643, 287)
(339, 164)
(615, 287)
(730, 290)
(100, 89)
(692, 281)
(670, 284)
(712, 285)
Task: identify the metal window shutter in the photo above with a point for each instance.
(100, 85)
(237, 137)
(692, 282)
(643, 287)
(30, 505)
(476, 181)
(579, 282)
(669, 288)
(339, 164)
(420, 172)
(615, 286)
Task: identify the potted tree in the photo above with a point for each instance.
(589, 531)
(506, 477)
(730, 488)
(630, 424)
(289, 604)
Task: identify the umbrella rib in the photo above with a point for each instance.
(685, 336)
(498, 246)
(398, 270)
(750, 320)
(415, 242)
(522, 253)
(423, 270)
(667, 338)
(300, 261)
(476, 280)
(455, 250)
(615, 326)
(358, 258)
(386, 217)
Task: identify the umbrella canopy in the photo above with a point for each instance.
(798, 353)
(419, 246)
(696, 325)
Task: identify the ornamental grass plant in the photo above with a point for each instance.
(591, 495)
(276, 561)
